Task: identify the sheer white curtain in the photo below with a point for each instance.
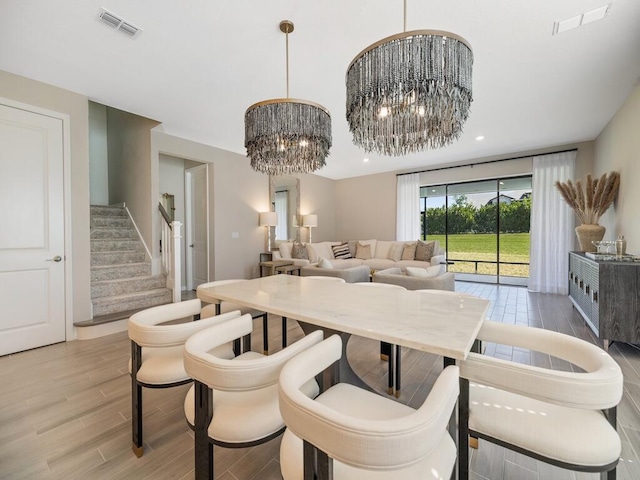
(408, 207)
(282, 209)
(552, 224)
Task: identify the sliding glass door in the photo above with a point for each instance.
(484, 226)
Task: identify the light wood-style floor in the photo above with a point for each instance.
(65, 409)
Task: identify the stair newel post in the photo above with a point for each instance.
(175, 261)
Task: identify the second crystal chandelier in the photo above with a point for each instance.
(409, 92)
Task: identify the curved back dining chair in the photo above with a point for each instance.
(216, 307)
(157, 352)
(389, 353)
(234, 402)
(358, 434)
(564, 418)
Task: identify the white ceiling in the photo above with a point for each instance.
(199, 64)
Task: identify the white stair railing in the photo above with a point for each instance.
(170, 251)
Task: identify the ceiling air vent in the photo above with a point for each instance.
(114, 21)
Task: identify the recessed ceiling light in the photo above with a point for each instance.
(365, 160)
(480, 138)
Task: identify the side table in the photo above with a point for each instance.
(290, 269)
(271, 265)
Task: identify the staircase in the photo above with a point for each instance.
(121, 280)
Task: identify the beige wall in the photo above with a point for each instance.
(98, 156)
(129, 141)
(317, 196)
(618, 148)
(366, 206)
(38, 94)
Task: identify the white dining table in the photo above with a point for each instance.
(445, 325)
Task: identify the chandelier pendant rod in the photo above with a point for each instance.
(287, 59)
(404, 25)
(286, 27)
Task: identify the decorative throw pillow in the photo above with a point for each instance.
(285, 249)
(409, 251)
(298, 250)
(424, 250)
(341, 251)
(423, 272)
(352, 247)
(324, 263)
(395, 252)
(363, 252)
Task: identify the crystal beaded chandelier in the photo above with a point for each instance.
(287, 135)
(409, 91)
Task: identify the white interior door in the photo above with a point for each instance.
(32, 262)
(197, 226)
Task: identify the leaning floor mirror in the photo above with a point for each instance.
(284, 192)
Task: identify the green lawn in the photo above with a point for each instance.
(514, 247)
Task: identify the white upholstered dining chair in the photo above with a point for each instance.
(234, 402)
(157, 352)
(564, 418)
(358, 434)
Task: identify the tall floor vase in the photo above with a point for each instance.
(587, 234)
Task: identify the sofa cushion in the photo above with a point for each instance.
(285, 249)
(341, 251)
(324, 263)
(409, 251)
(321, 249)
(424, 251)
(395, 252)
(382, 249)
(298, 250)
(423, 272)
(363, 251)
(359, 273)
(341, 263)
(379, 263)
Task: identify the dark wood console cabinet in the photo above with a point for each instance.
(607, 294)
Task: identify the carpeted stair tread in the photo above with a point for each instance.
(101, 273)
(117, 257)
(129, 301)
(119, 286)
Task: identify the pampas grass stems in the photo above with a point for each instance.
(591, 202)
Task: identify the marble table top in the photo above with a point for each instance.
(442, 324)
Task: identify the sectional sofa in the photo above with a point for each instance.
(376, 254)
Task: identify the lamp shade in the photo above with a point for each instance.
(268, 219)
(310, 221)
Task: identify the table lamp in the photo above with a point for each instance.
(268, 219)
(310, 221)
